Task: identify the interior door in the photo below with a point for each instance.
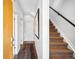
(7, 29)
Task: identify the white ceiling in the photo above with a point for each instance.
(25, 6)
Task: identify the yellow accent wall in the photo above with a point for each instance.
(7, 29)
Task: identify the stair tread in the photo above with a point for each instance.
(56, 37)
(54, 33)
(52, 29)
(52, 26)
(58, 43)
(60, 50)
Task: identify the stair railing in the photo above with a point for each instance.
(62, 16)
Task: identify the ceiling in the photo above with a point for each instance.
(25, 6)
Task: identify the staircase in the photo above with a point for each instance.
(27, 51)
(58, 48)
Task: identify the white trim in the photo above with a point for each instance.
(45, 28)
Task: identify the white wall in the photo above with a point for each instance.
(42, 45)
(66, 8)
(39, 42)
(28, 28)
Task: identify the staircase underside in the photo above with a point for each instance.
(58, 48)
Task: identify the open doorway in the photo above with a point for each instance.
(26, 29)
